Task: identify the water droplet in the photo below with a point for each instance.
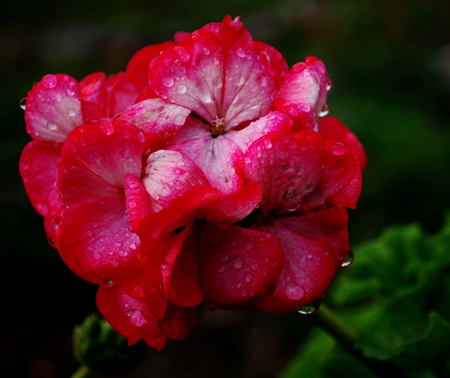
(268, 144)
(238, 262)
(248, 278)
(325, 111)
(291, 200)
(168, 81)
(23, 103)
(132, 204)
(206, 51)
(141, 137)
(247, 160)
(107, 129)
(126, 134)
(309, 186)
(71, 112)
(108, 282)
(70, 92)
(329, 84)
(206, 99)
(311, 308)
(181, 89)
(240, 52)
(243, 293)
(165, 270)
(49, 81)
(338, 149)
(293, 112)
(136, 318)
(183, 53)
(51, 126)
(221, 268)
(133, 246)
(348, 259)
(285, 139)
(218, 82)
(250, 243)
(238, 80)
(294, 291)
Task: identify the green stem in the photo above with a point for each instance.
(336, 328)
(82, 372)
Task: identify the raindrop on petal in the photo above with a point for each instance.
(294, 291)
(49, 81)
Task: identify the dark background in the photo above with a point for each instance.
(390, 65)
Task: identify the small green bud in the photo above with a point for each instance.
(99, 347)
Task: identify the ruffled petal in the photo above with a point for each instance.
(159, 120)
(109, 307)
(276, 61)
(236, 265)
(306, 84)
(121, 93)
(53, 108)
(289, 166)
(274, 121)
(37, 167)
(169, 174)
(314, 246)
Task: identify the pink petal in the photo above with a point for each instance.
(238, 266)
(306, 84)
(53, 108)
(37, 167)
(191, 74)
(219, 158)
(288, 166)
(312, 247)
(96, 159)
(277, 62)
(138, 66)
(159, 120)
(111, 311)
(169, 174)
(274, 121)
(96, 242)
(249, 84)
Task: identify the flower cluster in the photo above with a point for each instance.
(206, 173)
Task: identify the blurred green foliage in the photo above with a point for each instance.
(397, 298)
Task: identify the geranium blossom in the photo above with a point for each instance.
(203, 174)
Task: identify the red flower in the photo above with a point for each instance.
(216, 181)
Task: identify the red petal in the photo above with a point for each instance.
(181, 36)
(111, 311)
(121, 93)
(237, 26)
(96, 242)
(96, 159)
(275, 59)
(53, 108)
(288, 166)
(314, 246)
(237, 267)
(93, 89)
(178, 322)
(159, 120)
(137, 68)
(331, 127)
(306, 84)
(37, 167)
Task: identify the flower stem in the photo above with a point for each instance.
(82, 372)
(336, 328)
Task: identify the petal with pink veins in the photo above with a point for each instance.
(53, 108)
(238, 267)
(306, 84)
(169, 174)
(158, 119)
(274, 121)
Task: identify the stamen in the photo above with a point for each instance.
(217, 127)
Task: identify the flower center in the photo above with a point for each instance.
(217, 127)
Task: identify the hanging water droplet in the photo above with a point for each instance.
(23, 103)
(108, 282)
(311, 308)
(348, 259)
(329, 84)
(291, 200)
(325, 111)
